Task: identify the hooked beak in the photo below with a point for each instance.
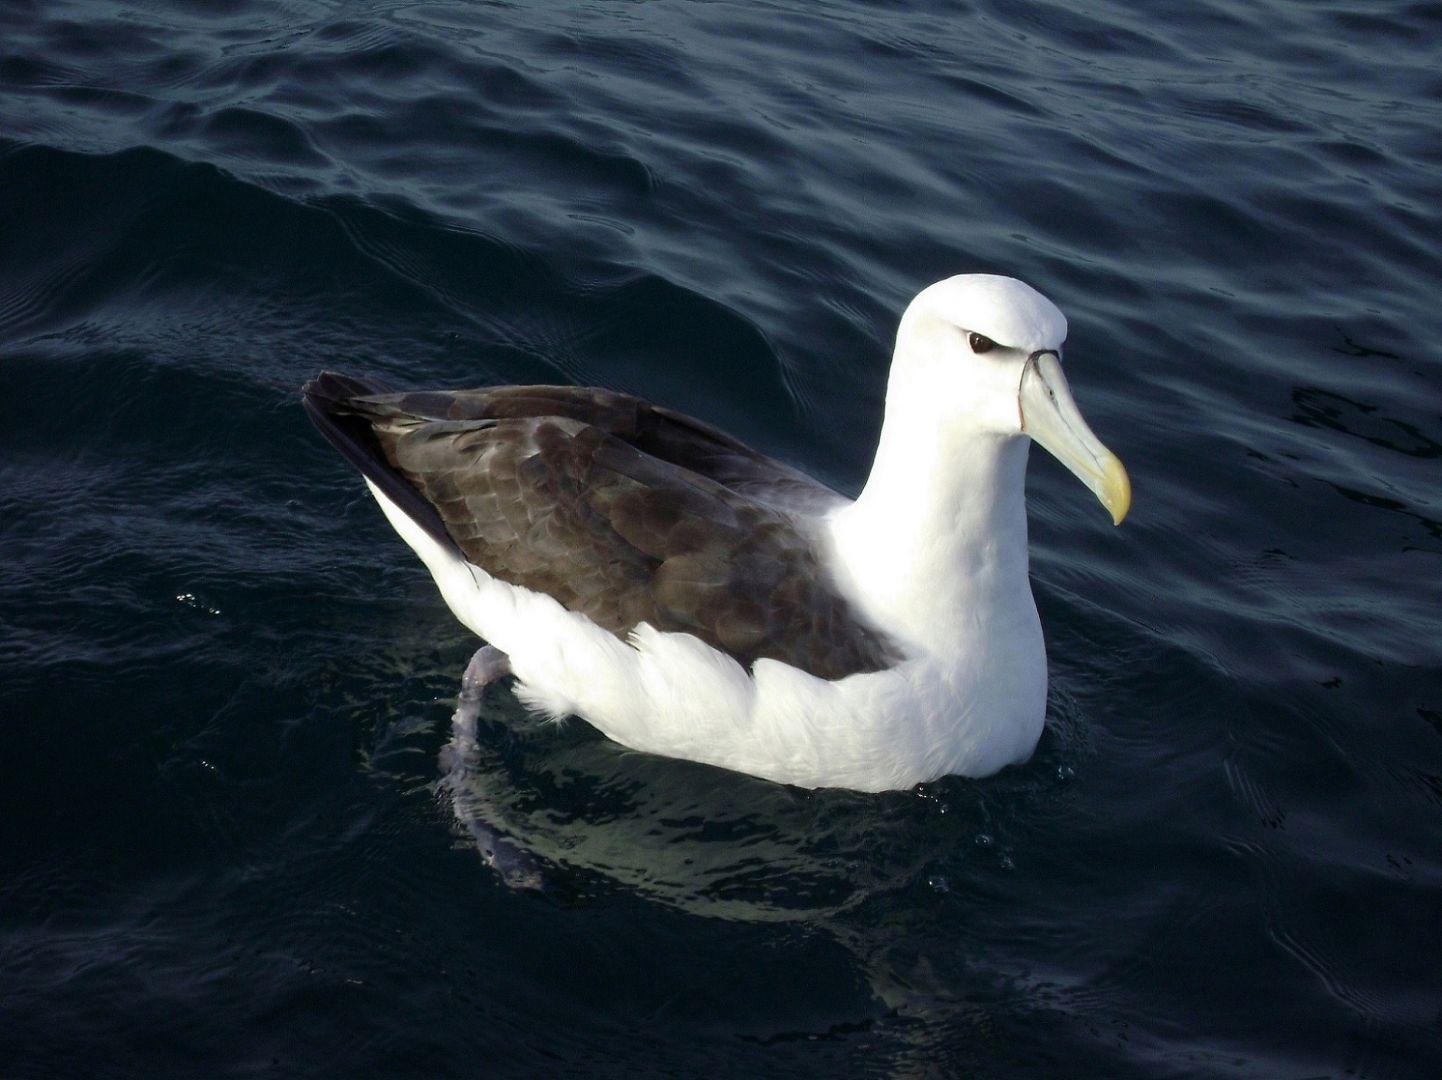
(1050, 416)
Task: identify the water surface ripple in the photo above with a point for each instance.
(225, 684)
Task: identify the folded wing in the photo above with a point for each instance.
(622, 511)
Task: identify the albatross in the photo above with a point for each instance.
(691, 597)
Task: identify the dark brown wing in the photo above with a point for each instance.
(660, 432)
(622, 511)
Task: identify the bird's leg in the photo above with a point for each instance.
(516, 866)
(488, 665)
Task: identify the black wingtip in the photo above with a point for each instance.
(325, 399)
(332, 386)
(330, 401)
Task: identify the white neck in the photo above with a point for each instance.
(936, 545)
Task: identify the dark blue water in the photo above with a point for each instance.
(225, 684)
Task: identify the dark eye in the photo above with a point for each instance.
(980, 344)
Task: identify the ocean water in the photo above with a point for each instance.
(225, 686)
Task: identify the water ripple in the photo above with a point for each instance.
(226, 686)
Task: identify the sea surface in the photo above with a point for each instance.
(226, 848)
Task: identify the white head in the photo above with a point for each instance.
(980, 354)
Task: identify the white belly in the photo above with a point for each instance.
(672, 694)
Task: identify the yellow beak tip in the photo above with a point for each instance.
(1116, 491)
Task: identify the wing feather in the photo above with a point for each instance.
(624, 512)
